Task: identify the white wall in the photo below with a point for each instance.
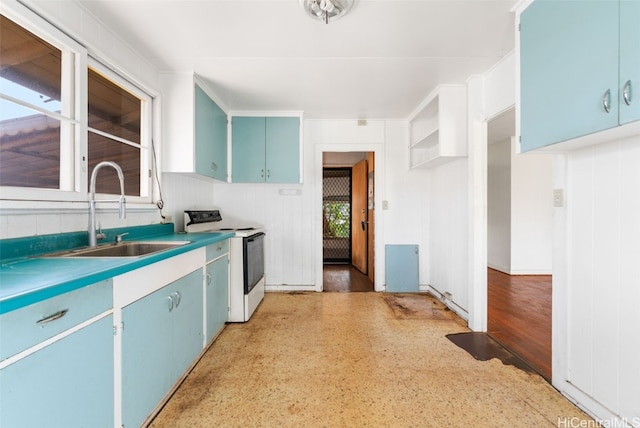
(499, 206)
(520, 216)
(597, 279)
(406, 221)
(294, 223)
(531, 213)
(448, 231)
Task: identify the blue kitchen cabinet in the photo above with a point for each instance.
(217, 296)
(568, 66)
(43, 320)
(629, 61)
(265, 149)
(210, 137)
(247, 149)
(161, 336)
(68, 383)
(282, 151)
(401, 269)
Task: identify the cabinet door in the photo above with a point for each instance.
(569, 59)
(630, 60)
(282, 158)
(217, 296)
(248, 148)
(210, 137)
(146, 355)
(66, 384)
(186, 322)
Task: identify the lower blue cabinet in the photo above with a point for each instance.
(68, 383)
(161, 336)
(217, 292)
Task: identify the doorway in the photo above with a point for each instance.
(347, 213)
(519, 245)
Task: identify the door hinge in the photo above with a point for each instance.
(519, 27)
(115, 330)
(150, 174)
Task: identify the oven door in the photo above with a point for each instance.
(253, 255)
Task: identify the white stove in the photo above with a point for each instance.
(212, 221)
(246, 258)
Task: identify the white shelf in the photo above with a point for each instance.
(438, 128)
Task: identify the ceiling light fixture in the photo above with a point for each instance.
(326, 10)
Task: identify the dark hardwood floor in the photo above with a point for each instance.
(344, 278)
(519, 316)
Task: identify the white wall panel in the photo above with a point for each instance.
(448, 231)
(603, 282)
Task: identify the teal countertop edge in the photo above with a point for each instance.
(27, 278)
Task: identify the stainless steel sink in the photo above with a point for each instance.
(123, 249)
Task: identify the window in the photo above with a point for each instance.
(61, 113)
(30, 110)
(115, 124)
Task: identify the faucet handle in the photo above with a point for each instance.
(119, 237)
(100, 235)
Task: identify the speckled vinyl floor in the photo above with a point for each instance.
(356, 360)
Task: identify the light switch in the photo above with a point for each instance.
(558, 197)
(385, 205)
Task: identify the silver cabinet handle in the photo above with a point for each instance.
(208, 278)
(262, 173)
(268, 173)
(177, 298)
(626, 93)
(170, 303)
(606, 100)
(52, 317)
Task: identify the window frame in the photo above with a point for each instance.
(74, 173)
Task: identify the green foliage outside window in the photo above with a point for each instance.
(337, 216)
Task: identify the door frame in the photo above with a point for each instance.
(378, 150)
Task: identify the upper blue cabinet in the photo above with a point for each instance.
(265, 149)
(575, 60)
(629, 60)
(210, 137)
(194, 128)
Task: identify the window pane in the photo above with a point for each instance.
(30, 68)
(113, 109)
(30, 151)
(126, 156)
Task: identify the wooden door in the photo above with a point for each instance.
(359, 225)
(370, 218)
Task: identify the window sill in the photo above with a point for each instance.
(61, 207)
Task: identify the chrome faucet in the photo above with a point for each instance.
(93, 240)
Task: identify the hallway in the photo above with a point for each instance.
(519, 316)
(344, 278)
(352, 360)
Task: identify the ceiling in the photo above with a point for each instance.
(379, 61)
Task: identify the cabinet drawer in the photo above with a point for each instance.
(216, 250)
(20, 328)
